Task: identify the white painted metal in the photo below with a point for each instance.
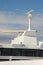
(29, 19)
(28, 39)
(23, 62)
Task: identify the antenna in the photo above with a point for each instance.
(29, 18)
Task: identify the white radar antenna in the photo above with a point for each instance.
(29, 18)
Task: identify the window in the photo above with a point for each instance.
(21, 52)
(6, 52)
(41, 53)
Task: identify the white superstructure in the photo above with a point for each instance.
(28, 38)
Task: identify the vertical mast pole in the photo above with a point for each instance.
(29, 20)
(29, 24)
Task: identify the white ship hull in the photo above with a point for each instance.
(24, 62)
(9, 58)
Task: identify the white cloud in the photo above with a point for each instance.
(37, 21)
(12, 17)
(6, 17)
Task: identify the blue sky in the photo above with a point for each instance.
(14, 12)
(21, 5)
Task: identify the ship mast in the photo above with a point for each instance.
(29, 19)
